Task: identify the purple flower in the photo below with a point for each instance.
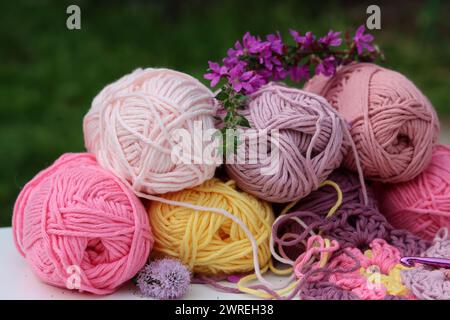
(275, 42)
(327, 67)
(279, 73)
(363, 41)
(298, 73)
(233, 55)
(164, 279)
(248, 81)
(252, 44)
(217, 72)
(332, 39)
(306, 41)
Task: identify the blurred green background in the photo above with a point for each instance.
(49, 75)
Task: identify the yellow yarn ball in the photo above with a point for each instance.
(211, 243)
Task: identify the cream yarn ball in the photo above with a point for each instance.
(130, 128)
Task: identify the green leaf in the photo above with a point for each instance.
(228, 105)
(222, 95)
(228, 117)
(242, 121)
(240, 98)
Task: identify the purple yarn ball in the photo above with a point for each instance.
(164, 279)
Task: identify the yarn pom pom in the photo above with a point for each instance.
(421, 205)
(79, 227)
(134, 123)
(312, 143)
(164, 279)
(393, 124)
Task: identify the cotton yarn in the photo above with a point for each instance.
(393, 125)
(207, 242)
(80, 227)
(312, 143)
(133, 123)
(353, 224)
(379, 275)
(428, 283)
(421, 205)
(323, 199)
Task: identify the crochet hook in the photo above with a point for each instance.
(434, 262)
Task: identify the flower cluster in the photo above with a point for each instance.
(254, 61)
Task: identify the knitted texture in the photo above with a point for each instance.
(393, 125)
(80, 227)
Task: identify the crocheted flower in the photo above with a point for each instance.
(378, 276)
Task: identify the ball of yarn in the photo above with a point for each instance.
(393, 124)
(311, 144)
(210, 243)
(421, 205)
(80, 227)
(133, 123)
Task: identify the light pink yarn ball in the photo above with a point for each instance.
(132, 124)
(421, 205)
(393, 124)
(79, 227)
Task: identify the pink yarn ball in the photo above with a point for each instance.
(393, 124)
(80, 227)
(421, 205)
(312, 143)
(132, 124)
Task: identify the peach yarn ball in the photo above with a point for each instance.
(393, 124)
(131, 124)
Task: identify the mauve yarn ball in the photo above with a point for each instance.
(133, 123)
(393, 124)
(312, 143)
(79, 227)
(421, 205)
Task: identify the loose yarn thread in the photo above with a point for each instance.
(77, 221)
(352, 225)
(393, 125)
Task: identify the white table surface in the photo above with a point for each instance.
(17, 281)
